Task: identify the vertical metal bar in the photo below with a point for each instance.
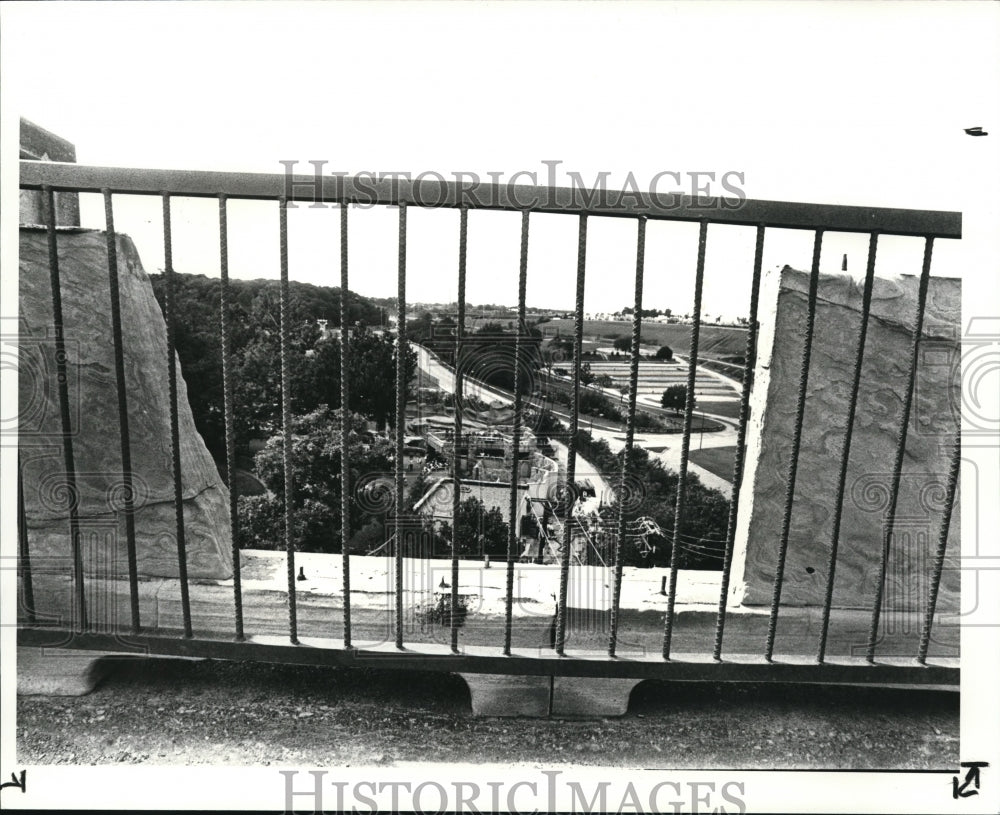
(400, 419)
(699, 278)
(345, 415)
(228, 407)
(286, 419)
(456, 461)
(27, 584)
(80, 606)
(949, 504)
(633, 385)
(749, 361)
(897, 468)
(852, 405)
(793, 464)
(123, 424)
(512, 531)
(175, 443)
(570, 491)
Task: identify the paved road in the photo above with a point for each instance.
(445, 378)
(667, 445)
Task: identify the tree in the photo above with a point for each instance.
(665, 352)
(703, 532)
(561, 348)
(315, 457)
(481, 531)
(372, 376)
(491, 329)
(420, 328)
(255, 349)
(623, 343)
(674, 397)
(604, 381)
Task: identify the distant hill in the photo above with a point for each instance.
(306, 300)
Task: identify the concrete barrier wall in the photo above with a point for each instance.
(933, 423)
(86, 304)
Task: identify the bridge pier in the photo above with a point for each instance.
(571, 697)
(59, 671)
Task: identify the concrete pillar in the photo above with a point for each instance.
(587, 698)
(929, 443)
(59, 671)
(575, 697)
(503, 695)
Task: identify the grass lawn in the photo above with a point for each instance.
(730, 408)
(714, 340)
(717, 460)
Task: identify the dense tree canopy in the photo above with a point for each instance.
(315, 457)
(653, 493)
(314, 364)
(481, 531)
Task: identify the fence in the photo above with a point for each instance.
(711, 662)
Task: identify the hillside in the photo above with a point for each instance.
(715, 341)
(307, 301)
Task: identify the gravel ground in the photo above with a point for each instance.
(207, 712)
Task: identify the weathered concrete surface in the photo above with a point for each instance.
(503, 695)
(59, 671)
(570, 697)
(86, 305)
(39, 144)
(930, 439)
(319, 603)
(575, 697)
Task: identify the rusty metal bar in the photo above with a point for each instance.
(570, 491)
(401, 348)
(949, 505)
(366, 189)
(512, 531)
(175, 439)
(456, 495)
(286, 419)
(668, 622)
(523, 662)
(897, 469)
(228, 407)
(72, 492)
(749, 361)
(128, 491)
(345, 417)
(852, 405)
(779, 572)
(624, 491)
(24, 554)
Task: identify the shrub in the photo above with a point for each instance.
(665, 353)
(262, 525)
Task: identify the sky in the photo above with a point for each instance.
(860, 104)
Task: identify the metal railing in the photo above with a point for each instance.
(284, 190)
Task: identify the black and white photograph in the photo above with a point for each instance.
(509, 407)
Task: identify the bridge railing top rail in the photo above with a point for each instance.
(320, 189)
